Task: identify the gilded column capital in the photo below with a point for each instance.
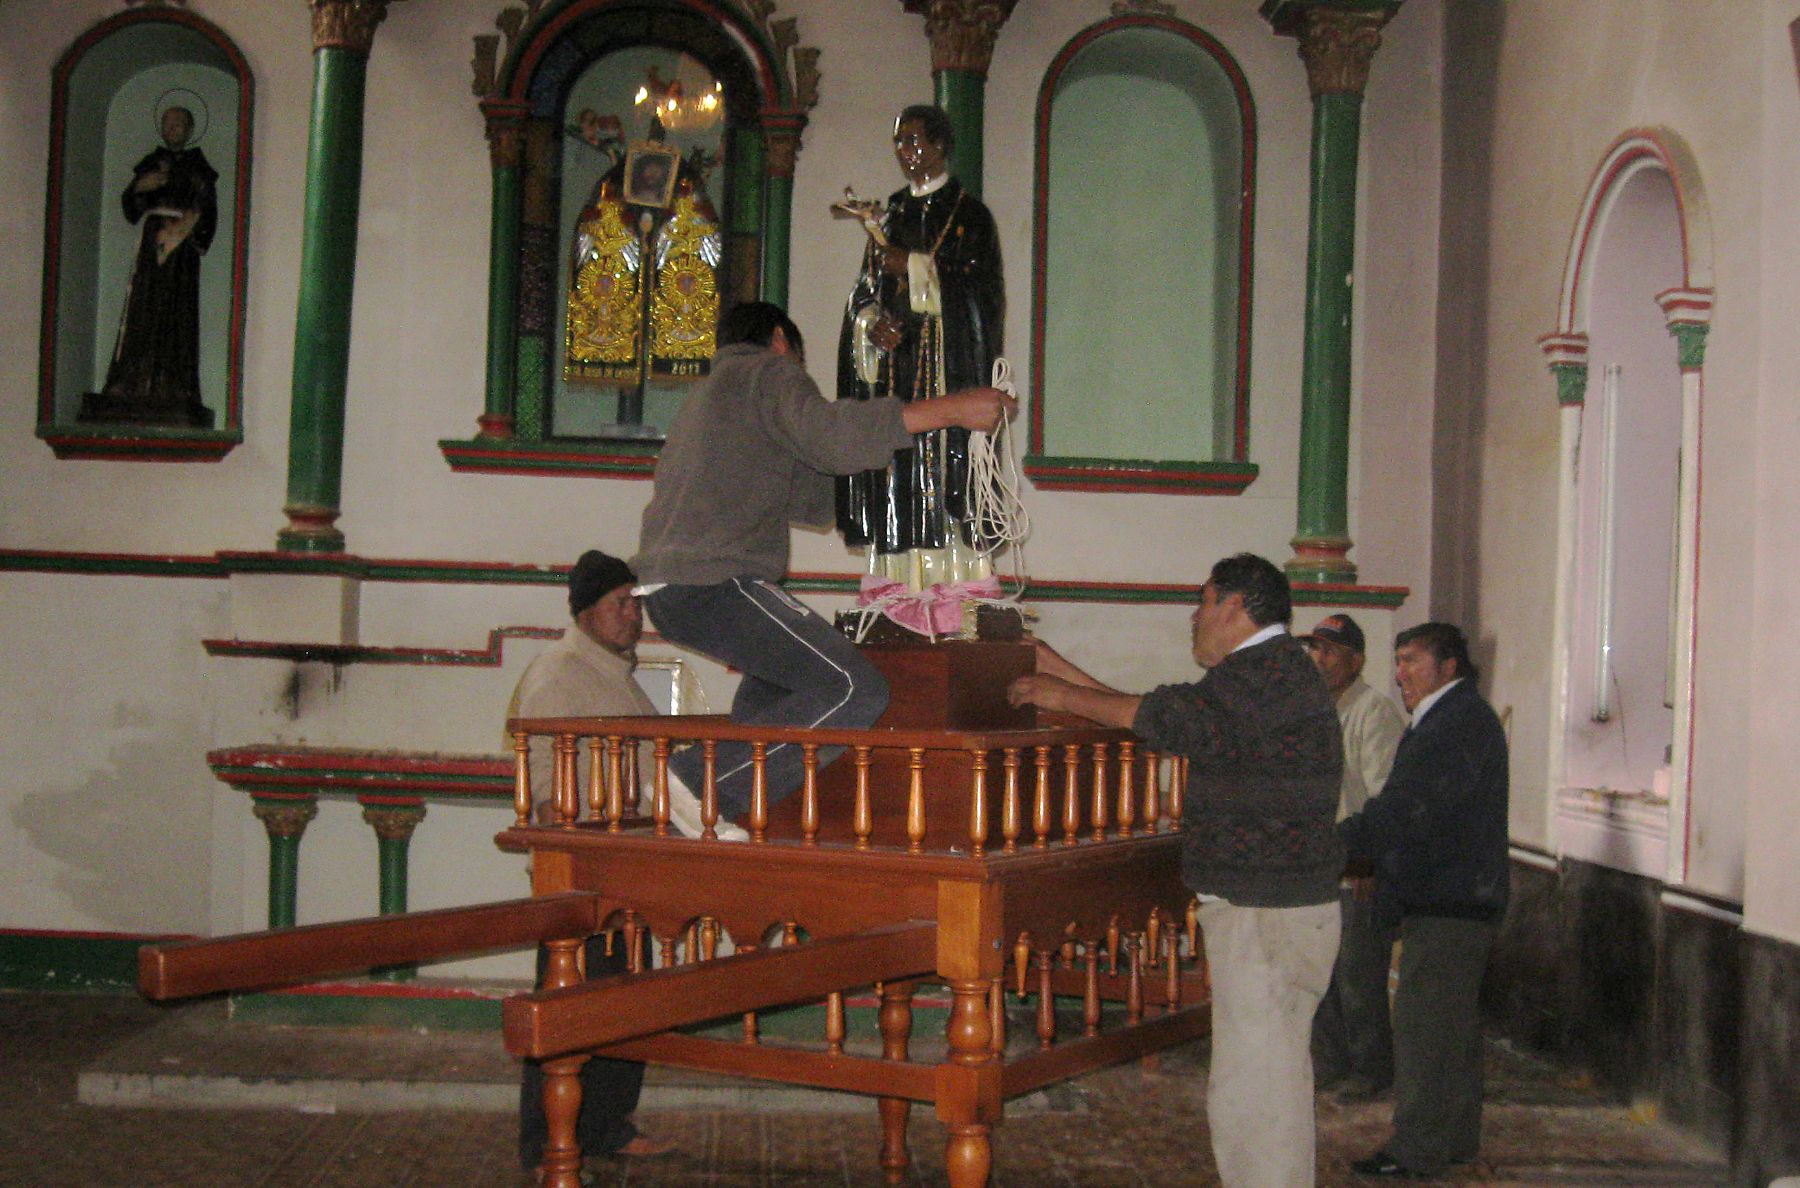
(1337, 47)
(962, 32)
(285, 818)
(347, 24)
(394, 822)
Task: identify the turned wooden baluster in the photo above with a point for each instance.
(1112, 946)
(1099, 811)
(915, 803)
(896, 1019)
(809, 794)
(632, 782)
(864, 823)
(616, 803)
(1046, 1015)
(1090, 994)
(1192, 926)
(1040, 803)
(1022, 960)
(667, 945)
(759, 791)
(1153, 929)
(1127, 788)
(634, 943)
(1178, 770)
(751, 1035)
(1009, 803)
(563, 792)
(1134, 993)
(659, 805)
(790, 933)
(997, 1016)
(562, 1076)
(978, 813)
(1152, 813)
(521, 779)
(1071, 792)
(1173, 959)
(709, 938)
(690, 943)
(834, 1023)
(968, 1154)
(709, 789)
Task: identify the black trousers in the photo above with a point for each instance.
(609, 1088)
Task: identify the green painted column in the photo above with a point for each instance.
(1337, 41)
(343, 31)
(744, 214)
(393, 825)
(285, 820)
(963, 96)
(781, 146)
(962, 35)
(505, 131)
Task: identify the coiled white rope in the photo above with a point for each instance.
(996, 512)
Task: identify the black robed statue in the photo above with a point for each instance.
(154, 376)
(924, 319)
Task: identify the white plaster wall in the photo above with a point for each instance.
(188, 856)
(1771, 709)
(1570, 83)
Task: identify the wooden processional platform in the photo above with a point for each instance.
(958, 842)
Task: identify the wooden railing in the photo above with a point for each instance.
(1044, 787)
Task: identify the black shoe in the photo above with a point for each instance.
(1382, 1164)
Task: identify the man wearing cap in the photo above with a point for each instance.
(1437, 834)
(1352, 1041)
(586, 674)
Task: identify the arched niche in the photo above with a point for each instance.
(107, 91)
(1628, 354)
(1142, 263)
(533, 94)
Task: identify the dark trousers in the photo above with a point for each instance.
(609, 1088)
(1352, 1035)
(798, 671)
(1437, 1042)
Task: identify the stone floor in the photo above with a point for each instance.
(107, 1090)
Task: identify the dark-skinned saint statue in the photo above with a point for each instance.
(923, 319)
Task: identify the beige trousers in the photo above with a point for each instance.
(1270, 967)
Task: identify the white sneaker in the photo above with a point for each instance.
(684, 815)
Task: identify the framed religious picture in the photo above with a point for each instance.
(650, 173)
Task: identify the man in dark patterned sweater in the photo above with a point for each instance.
(1259, 848)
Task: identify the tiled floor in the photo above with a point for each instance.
(1138, 1124)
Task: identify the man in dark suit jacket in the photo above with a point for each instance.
(1437, 835)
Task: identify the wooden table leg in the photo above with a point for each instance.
(562, 1081)
(896, 1031)
(968, 1154)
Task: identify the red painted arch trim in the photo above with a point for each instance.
(522, 66)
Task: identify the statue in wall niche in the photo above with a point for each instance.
(923, 319)
(643, 299)
(154, 376)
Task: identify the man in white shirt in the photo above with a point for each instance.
(1352, 1039)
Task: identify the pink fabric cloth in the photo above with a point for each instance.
(934, 611)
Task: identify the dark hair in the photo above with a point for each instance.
(938, 129)
(1267, 598)
(1443, 640)
(755, 322)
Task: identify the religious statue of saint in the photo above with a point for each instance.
(154, 376)
(923, 319)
